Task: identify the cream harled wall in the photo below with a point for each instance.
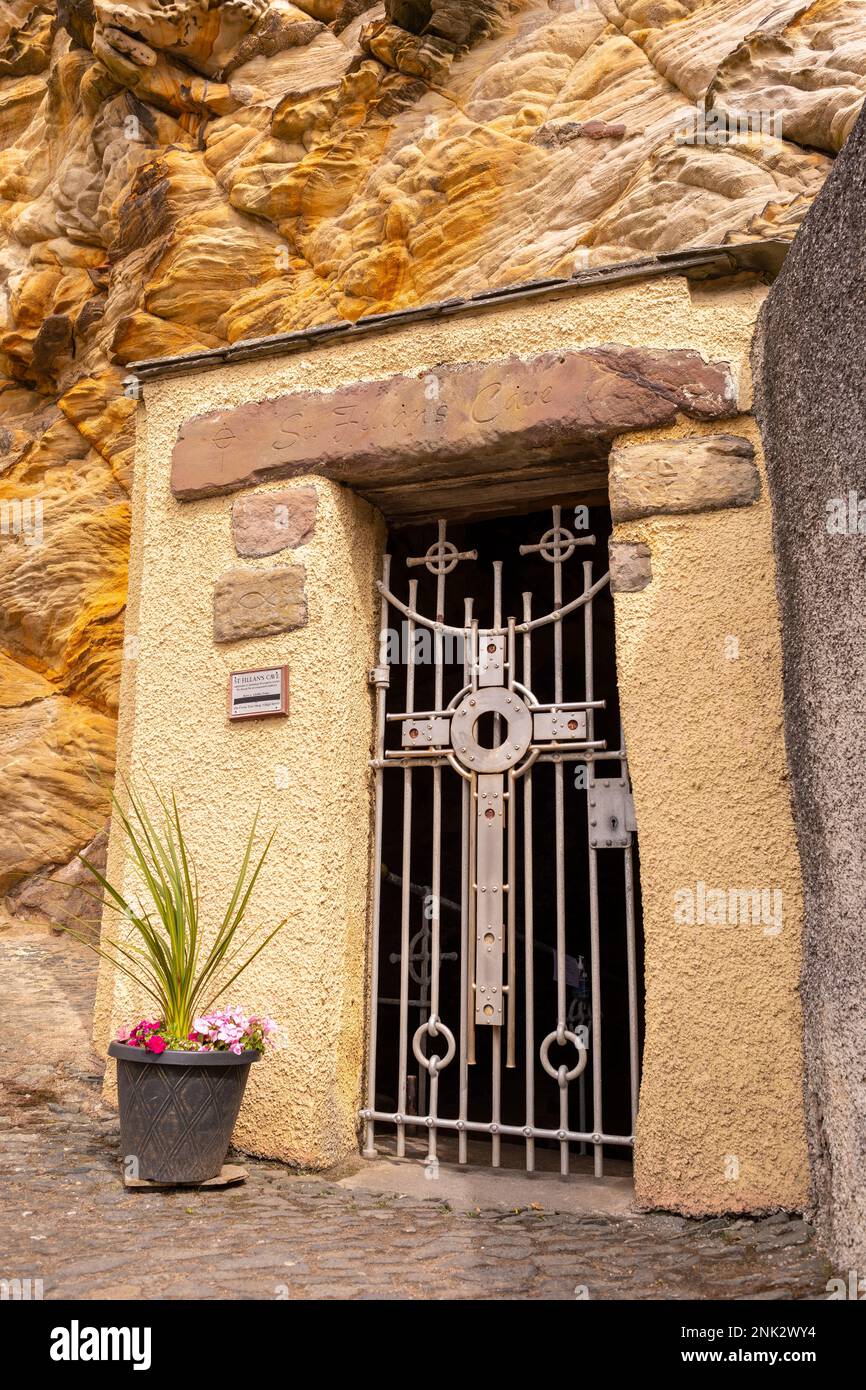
(307, 773)
(721, 1123)
(721, 1119)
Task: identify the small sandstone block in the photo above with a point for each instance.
(259, 603)
(682, 475)
(630, 567)
(266, 522)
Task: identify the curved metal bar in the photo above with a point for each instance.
(524, 767)
(556, 616)
(467, 776)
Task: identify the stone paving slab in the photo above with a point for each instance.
(67, 1219)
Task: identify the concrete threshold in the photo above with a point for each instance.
(472, 1186)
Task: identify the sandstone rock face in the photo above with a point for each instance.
(682, 475)
(56, 760)
(68, 896)
(259, 603)
(181, 176)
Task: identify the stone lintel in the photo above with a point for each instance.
(484, 420)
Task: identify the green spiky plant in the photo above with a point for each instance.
(169, 959)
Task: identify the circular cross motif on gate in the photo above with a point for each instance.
(442, 557)
(556, 544)
(515, 740)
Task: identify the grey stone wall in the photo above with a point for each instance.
(810, 374)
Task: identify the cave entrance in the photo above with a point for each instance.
(507, 952)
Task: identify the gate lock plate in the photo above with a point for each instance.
(491, 660)
(611, 814)
(559, 725)
(426, 733)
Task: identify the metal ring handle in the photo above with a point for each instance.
(556, 1072)
(434, 1026)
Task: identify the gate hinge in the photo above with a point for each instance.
(380, 675)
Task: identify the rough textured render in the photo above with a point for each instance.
(721, 1124)
(173, 177)
(812, 407)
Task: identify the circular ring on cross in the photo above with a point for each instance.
(495, 699)
(557, 544)
(434, 1027)
(442, 557)
(559, 1073)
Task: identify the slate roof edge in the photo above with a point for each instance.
(701, 262)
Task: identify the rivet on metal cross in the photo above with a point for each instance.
(443, 556)
(557, 544)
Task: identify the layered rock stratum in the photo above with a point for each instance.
(185, 175)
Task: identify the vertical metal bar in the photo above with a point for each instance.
(594, 937)
(406, 886)
(559, 804)
(437, 787)
(473, 867)
(422, 963)
(496, 1083)
(376, 903)
(434, 1110)
(467, 809)
(581, 1107)
(436, 874)
(496, 1032)
(528, 920)
(511, 828)
(631, 961)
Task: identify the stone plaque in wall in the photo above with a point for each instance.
(264, 523)
(259, 603)
(479, 417)
(701, 474)
(630, 567)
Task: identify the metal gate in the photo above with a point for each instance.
(495, 961)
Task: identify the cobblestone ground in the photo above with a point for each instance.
(67, 1219)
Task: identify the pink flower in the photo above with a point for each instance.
(155, 1044)
(230, 1033)
(236, 1048)
(123, 1035)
